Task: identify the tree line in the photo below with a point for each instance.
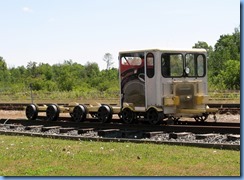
(66, 76)
(223, 72)
(223, 61)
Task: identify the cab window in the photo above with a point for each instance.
(172, 65)
(201, 65)
(150, 65)
(196, 65)
(190, 65)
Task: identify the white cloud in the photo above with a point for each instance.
(27, 9)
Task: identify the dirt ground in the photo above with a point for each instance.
(220, 117)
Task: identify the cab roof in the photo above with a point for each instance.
(199, 50)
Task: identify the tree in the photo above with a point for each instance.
(229, 77)
(92, 69)
(32, 69)
(204, 45)
(226, 48)
(4, 73)
(3, 65)
(226, 51)
(108, 58)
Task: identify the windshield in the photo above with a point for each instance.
(179, 65)
(172, 65)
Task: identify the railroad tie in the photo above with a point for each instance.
(178, 134)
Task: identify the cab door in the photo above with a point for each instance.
(150, 79)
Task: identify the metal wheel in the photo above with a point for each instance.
(128, 116)
(94, 115)
(152, 116)
(31, 112)
(52, 112)
(104, 113)
(79, 113)
(201, 118)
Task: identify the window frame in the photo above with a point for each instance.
(204, 65)
(150, 74)
(169, 76)
(183, 55)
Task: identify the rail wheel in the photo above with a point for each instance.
(104, 114)
(128, 116)
(94, 115)
(31, 112)
(201, 118)
(52, 112)
(153, 116)
(79, 113)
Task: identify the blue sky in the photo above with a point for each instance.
(51, 31)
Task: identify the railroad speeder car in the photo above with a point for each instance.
(155, 84)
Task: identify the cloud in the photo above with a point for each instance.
(27, 9)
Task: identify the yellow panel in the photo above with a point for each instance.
(172, 101)
(177, 100)
(201, 100)
(168, 101)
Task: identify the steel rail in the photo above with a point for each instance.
(180, 122)
(15, 123)
(144, 127)
(124, 140)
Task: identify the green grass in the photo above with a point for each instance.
(30, 156)
(86, 97)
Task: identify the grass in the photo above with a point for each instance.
(30, 156)
(105, 97)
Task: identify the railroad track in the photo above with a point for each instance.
(211, 136)
(117, 121)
